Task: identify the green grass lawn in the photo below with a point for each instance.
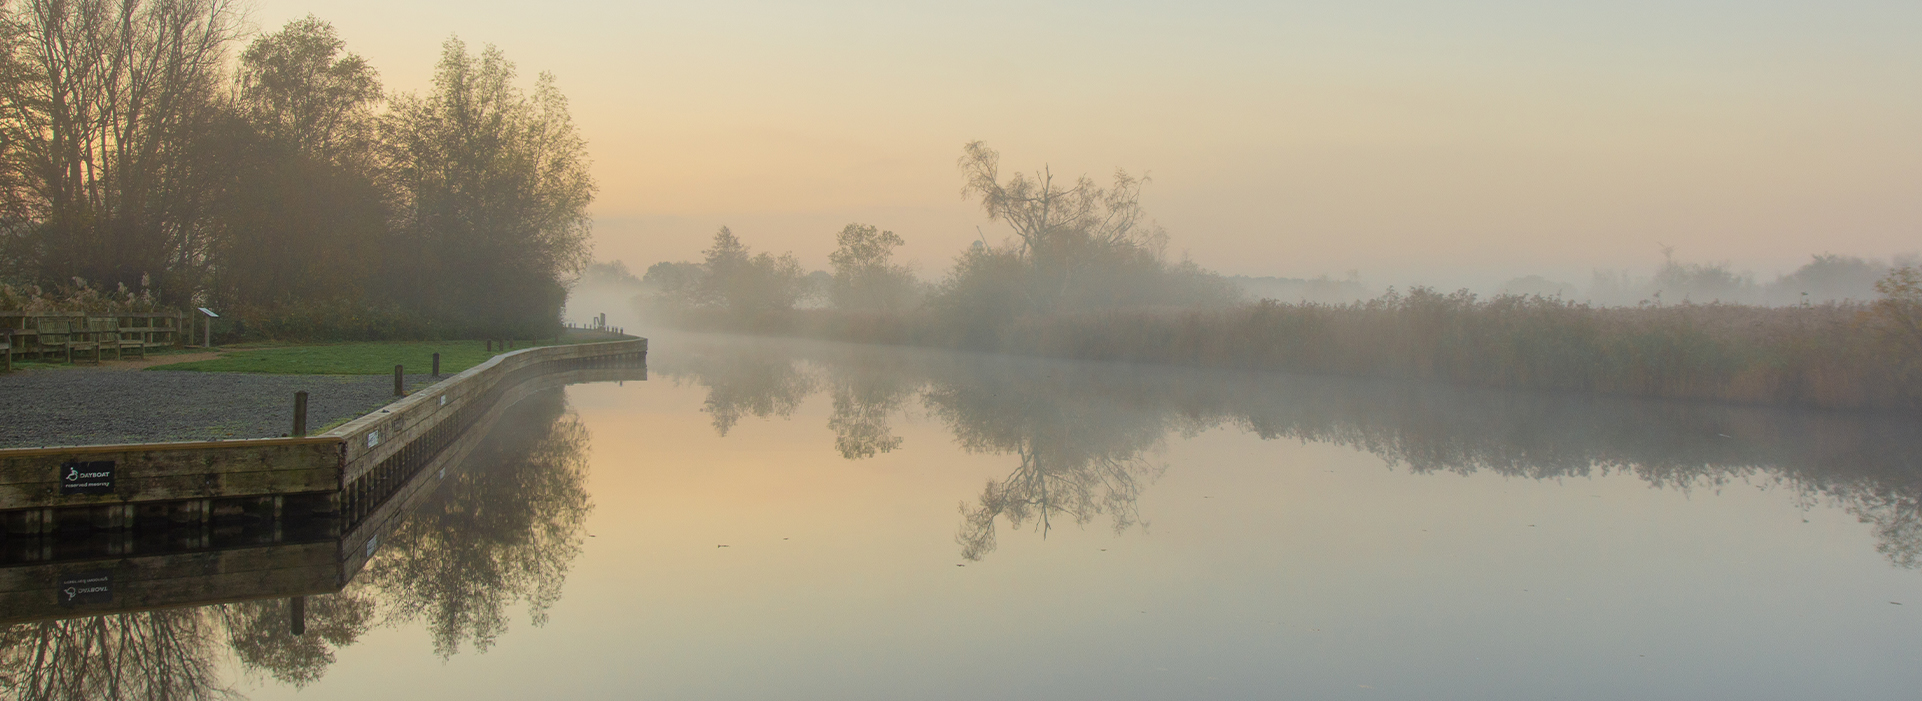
(349, 358)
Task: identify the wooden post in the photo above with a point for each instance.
(437, 365)
(398, 392)
(297, 615)
(490, 345)
(300, 414)
(208, 343)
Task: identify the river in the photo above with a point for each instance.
(768, 519)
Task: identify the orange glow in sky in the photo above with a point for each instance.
(1415, 142)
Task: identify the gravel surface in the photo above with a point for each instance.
(91, 406)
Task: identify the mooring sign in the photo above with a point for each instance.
(93, 477)
(92, 587)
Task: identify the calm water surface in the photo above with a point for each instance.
(788, 520)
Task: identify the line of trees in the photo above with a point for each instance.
(1075, 247)
(1085, 276)
(284, 183)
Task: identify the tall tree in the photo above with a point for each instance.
(109, 129)
(301, 215)
(865, 274)
(298, 86)
(492, 188)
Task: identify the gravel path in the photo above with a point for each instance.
(93, 406)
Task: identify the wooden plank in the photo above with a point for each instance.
(157, 447)
(172, 487)
(33, 466)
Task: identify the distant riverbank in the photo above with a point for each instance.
(1835, 356)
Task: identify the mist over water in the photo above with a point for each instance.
(768, 518)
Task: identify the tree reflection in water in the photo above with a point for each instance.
(257, 633)
(169, 654)
(503, 529)
(1079, 459)
(1082, 433)
(868, 389)
(745, 382)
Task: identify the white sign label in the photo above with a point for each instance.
(371, 543)
(443, 400)
(373, 438)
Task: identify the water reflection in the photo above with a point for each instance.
(1083, 452)
(259, 633)
(500, 530)
(1082, 438)
(746, 381)
(169, 654)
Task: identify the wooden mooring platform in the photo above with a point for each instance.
(61, 507)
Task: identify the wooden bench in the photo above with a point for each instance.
(52, 337)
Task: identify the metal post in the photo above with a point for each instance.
(397, 382)
(300, 414)
(437, 365)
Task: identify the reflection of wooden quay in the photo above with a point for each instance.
(303, 549)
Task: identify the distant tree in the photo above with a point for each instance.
(1899, 314)
(672, 279)
(1055, 221)
(1828, 278)
(492, 187)
(1083, 246)
(614, 273)
(865, 275)
(1701, 282)
(746, 285)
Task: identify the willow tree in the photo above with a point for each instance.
(491, 192)
(1077, 245)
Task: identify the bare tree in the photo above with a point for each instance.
(109, 128)
(1053, 220)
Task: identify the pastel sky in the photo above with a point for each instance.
(1437, 142)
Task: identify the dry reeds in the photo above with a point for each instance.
(1843, 356)
(1834, 356)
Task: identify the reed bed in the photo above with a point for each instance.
(1838, 356)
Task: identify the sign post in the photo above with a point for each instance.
(211, 316)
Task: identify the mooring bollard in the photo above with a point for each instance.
(397, 381)
(437, 365)
(300, 414)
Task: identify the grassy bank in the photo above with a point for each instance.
(356, 358)
(1844, 356)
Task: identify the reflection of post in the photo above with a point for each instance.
(297, 616)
